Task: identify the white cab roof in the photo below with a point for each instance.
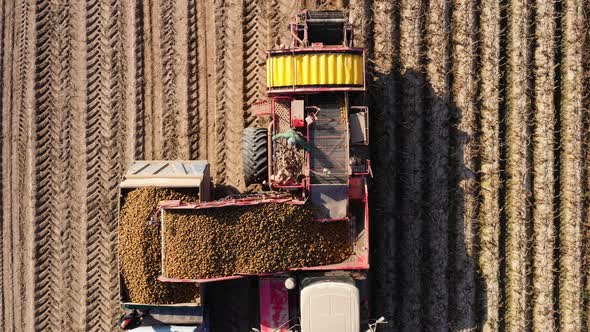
(330, 306)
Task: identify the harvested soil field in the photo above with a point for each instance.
(139, 250)
(255, 239)
(479, 147)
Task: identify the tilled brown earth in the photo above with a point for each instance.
(473, 94)
(139, 250)
(255, 239)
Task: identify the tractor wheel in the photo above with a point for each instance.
(255, 155)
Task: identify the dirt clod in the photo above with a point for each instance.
(254, 239)
(139, 250)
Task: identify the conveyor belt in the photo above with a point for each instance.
(328, 157)
(329, 146)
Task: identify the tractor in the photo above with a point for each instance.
(315, 147)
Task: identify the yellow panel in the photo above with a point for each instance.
(306, 63)
(348, 73)
(315, 69)
(339, 63)
(298, 70)
(323, 69)
(332, 69)
(280, 75)
(288, 72)
(355, 70)
(361, 71)
(276, 70)
(268, 71)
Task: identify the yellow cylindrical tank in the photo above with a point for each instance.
(315, 69)
(339, 63)
(314, 72)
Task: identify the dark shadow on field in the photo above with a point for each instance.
(421, 278)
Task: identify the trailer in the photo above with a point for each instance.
(189, 174)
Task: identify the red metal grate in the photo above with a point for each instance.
(283, 113)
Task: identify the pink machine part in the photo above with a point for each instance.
(274, 304)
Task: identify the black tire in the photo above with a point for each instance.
(255, 155)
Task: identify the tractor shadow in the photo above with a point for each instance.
(424, 257)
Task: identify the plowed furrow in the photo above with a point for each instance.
(324, 4)
(463, 287)
(586, 177)
(193, 81)
(73, 186)
(151, 80)
(518, 192)
(171, 103)
(101, 269)
(229, 119)
(7, 161)
(384, 93)
(205, 68)
(128, 81)
(412, 163)
(3, 119)
(221, 45)
(117, 145)
(54, 245)
(22, 211)
(307, 4)
(543, 170)
(437, 145)
(118, 85)
(570, 292)
(140, 82)
(489, 213)
(331, 4)
(273, 16)
(255, 46)
(360, 14)
(280, 12)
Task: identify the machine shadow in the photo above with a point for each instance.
(402, 275)
(233, 305)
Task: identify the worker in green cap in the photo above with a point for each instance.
(293, 138)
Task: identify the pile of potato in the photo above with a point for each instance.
(140, 250)
(253, 239)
